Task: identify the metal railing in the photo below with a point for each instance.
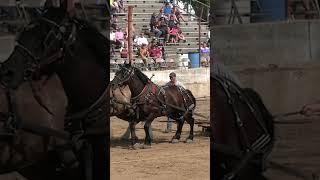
(201, 7)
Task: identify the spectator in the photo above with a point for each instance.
(114, 7)
(205, 54)
(119, 37)
(120, 4)
(161, 15)
(153, 25)
(172, 22)
(173, 34)
(177, 13)
(124, 52)
(113, 36)
(180, 36)
(167, 9)
(143, 54)
(163, 27)
(155, 53)
(141, 40)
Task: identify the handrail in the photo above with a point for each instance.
(189, 12)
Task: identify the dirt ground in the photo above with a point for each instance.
(297, 146)
(164, 160)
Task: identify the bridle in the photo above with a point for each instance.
(35, 63)
(261, 146)
(128, 74)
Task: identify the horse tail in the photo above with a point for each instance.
(267, 117)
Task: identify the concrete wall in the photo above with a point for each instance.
(283, 89)
(268, 43)
(197, 79)
(293, 49)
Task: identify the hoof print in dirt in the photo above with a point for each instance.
(189, 141)
(174, 141)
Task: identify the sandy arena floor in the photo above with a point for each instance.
(164, 160)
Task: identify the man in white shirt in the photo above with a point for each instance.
(142, 40)
(173, 82)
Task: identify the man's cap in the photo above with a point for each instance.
(172, 74)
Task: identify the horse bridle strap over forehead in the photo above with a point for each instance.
(58, 32)
(129, 74)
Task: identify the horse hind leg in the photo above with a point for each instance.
(176, 137)
(190, 120)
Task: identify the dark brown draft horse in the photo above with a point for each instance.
(151, 101)
(77, 52)
(242, 132)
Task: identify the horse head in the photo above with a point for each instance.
(123, 75)
(41, 43)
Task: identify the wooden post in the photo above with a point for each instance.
(130, 25)
(200, 36)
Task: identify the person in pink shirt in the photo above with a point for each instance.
(120, 37)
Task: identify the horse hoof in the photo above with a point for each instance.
(136, 146)
(189, 141)
(174, 141)
(146, 146)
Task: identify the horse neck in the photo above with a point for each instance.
(136, 86)
(84, 82)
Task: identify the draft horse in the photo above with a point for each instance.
(242, 131)
(151, 101)
(57, 43)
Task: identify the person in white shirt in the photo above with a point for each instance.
(113, 36)
(142, 40)
(173, 82)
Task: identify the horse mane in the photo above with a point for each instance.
(141, 76)
(96, 41)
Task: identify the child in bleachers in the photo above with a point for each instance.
(143, 54)
(180, 36)
(173, 34)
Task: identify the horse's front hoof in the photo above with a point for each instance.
(146, 146)
(136, 146)
(174, 141)
(189, 141)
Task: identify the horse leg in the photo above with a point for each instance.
(126, 135)
(176, 137)
(134, 138)
(190, 120)
(148, 131)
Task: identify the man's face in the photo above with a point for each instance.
(172, 79)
